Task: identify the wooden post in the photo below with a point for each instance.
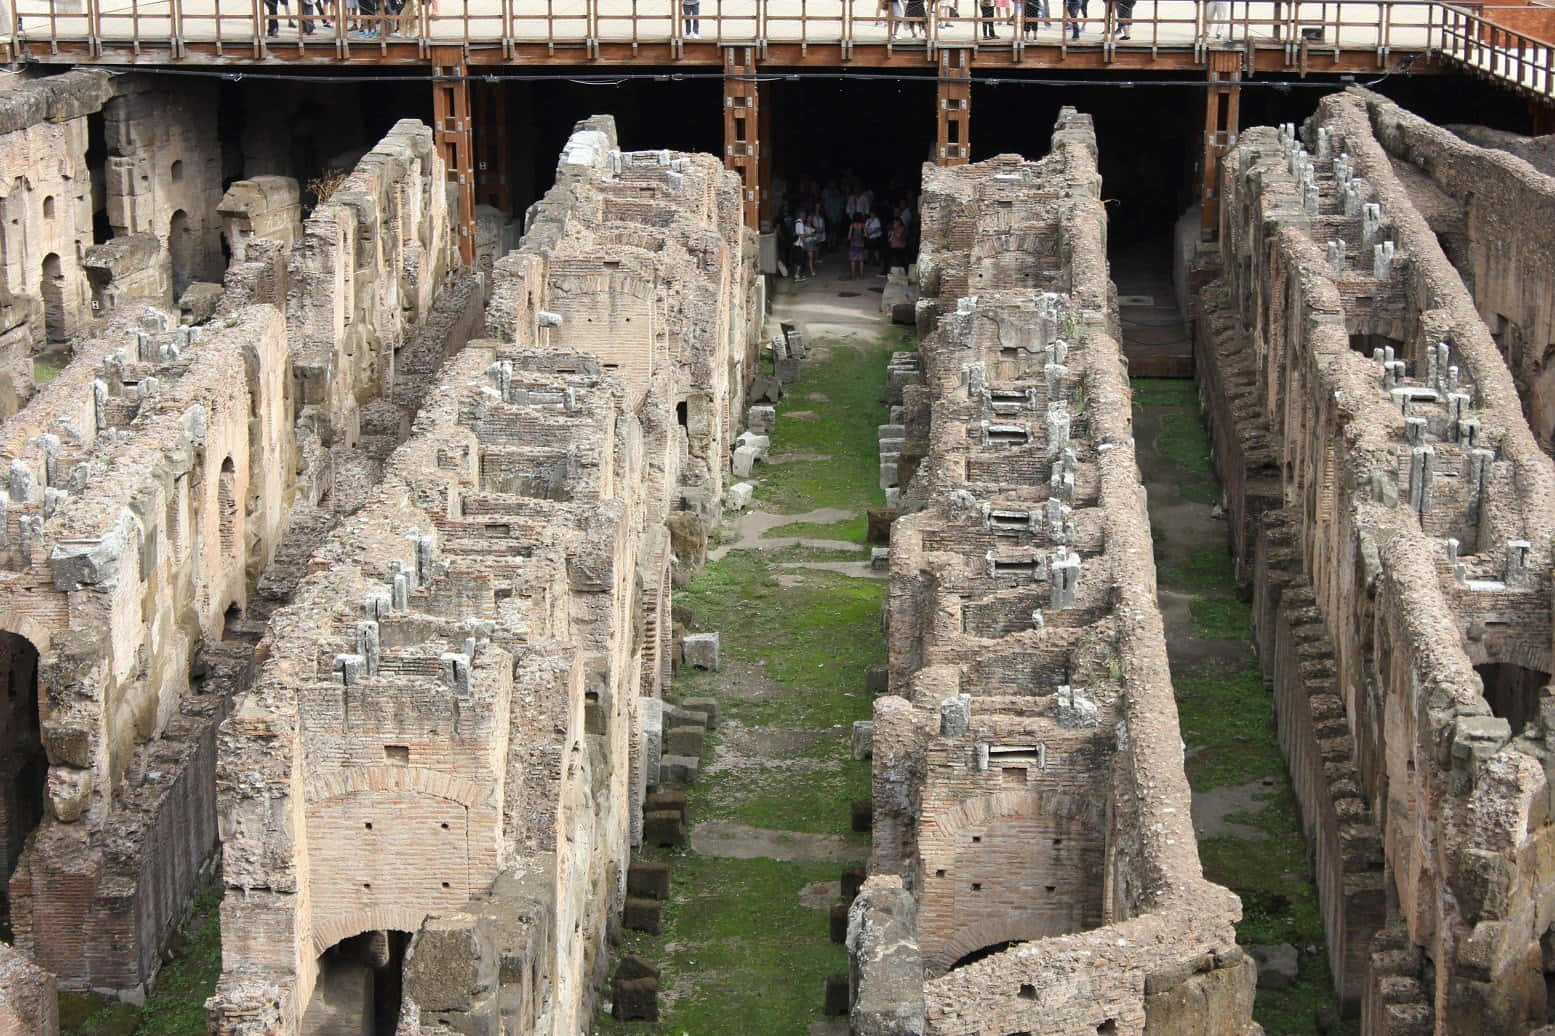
(742, 122)
(1220, 129)
(492, 185)
(954, 106)
(764, 215)
(452, 132)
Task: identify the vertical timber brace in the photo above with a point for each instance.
(452, 130)
(492, 186)
(1220, 129)
(742, 122)
(954, 145)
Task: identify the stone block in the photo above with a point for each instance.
(888, 474)
(762, 419)
(877, 680)
(893, 496)
(863, 814)
(707, 707)
(664, 827)
(649, 879)
(632, 966)
(836, 994)
(1277, 965)
(880, 558)
(688, 537)
(680, 716)
(863, 738)
(905, 313)
(687, 741)
(787, 370)
(635, 999)
(760, 443)
(837, 922)
(765, 388)
(674, 800)
(738, 496)
(681, 769)
(852, 881)
(879, 529)
(743, 462)
(641, 915)
(701, 650)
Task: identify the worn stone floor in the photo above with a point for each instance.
(1244, 811)
(744, 946)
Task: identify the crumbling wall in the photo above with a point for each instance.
(1404, 544)
(45, 219)
(1491, 214)
(142, 482)
(1028, 784)
(443, 734)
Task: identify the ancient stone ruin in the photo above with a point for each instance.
(337, 576)
(1033, 867)
(1391, 511)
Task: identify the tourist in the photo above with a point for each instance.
(857, 246)
(897, 254)
(1219, 15)
(834, 203)
(690, 11)
(1120, 16)
(872, 238)
(985, 8)
(368, 9)
(917, 17)
(803, 257)
(1078, 10)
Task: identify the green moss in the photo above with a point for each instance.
(1165, 392)
(849, 530)
(1222, 618)
(1205, 568)
(43, 371)
(1183, 441)
(1228, 725)
(838, 445)
(177, 1006)
(739, 952)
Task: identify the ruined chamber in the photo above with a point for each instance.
(1034, 867)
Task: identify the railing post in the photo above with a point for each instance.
(451, 122)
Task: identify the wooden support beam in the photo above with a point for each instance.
(764, 152)
(451, 127)
(953, 106)
(742, 124)
(1221, 126)
(493, 186)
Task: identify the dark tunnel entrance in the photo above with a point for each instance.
(359, 986)
(25, 764)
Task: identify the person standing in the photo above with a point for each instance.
(985, 8)
(872, 239)
(691, 12)
(1078, 10)
(897, 255)
(917, 17)
(856, 248)
(801, 246)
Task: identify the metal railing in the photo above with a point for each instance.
(1309, 35)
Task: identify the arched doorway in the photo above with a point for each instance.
(359, 986)
(53, 291)
(180, 249)
(21, 749)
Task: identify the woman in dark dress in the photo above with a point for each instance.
(917, 17)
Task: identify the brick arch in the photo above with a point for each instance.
(1008, 928)
(344, 926)
(335, 783)
(1015, 802)
(24, 624)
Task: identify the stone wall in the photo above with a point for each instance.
(45, 219)
(1029, 794)
(445, 735)
(1490, 211)
(1395, 516)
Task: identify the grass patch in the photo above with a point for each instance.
(43, 371)
(1200, 490)
(849, 530)
(737, 944)
(177, 1007)
(1220, 618)
(1205, 568)
(1184, 443)
(841, 435)
(1227, 721)
(1165, 392)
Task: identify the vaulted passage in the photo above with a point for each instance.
(358, 988)
(22, 761)
(1512, 691)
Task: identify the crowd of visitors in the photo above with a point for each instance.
(1036, 15)
(874, 230)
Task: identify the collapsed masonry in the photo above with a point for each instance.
(445, 752)
(1393, 512)
(1034, 868)
(158, 494)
